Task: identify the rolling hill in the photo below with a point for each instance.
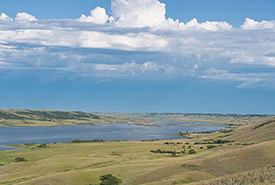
(53, 118)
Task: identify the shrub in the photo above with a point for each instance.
(20, 159)
(88, 141)
(174, 154)
(76, 141)
(109, 179)
(159, 151)
(220, 141)
(192, 151)
(42, 146)
(225, 130)
(211, 146)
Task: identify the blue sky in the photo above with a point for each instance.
(135, 56)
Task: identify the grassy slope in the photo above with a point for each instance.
(255, 133)
(134, 163)
(181, 117)
(262, 176)
(52, 118)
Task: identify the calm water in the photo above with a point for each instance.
(22, 135)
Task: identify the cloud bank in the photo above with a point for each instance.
(138, 40)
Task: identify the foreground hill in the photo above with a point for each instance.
(261, 176)
(241, 156)
(52, 118)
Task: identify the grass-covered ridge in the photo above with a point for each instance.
(53, 118)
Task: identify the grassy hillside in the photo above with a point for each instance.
(236, 119)
(255, 133)
(206, 158)
(52, 118)
(70, 118)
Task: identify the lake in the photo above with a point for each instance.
(110, 132)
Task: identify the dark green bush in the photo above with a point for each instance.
(192, 151)
(43, 145)
(211, 146)
(109, 179)
(174, 154)
(20, 159)
(76, 141)
(88, 141)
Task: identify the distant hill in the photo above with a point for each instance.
(236, 119)
(53, 118)
(16, 117)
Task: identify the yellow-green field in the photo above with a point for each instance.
(247, 152)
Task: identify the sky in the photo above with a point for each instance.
(138, 55)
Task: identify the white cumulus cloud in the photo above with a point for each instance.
(208, 25)
(24, 17)
(138, 13)
(152, 13)
(5, 17)
(98, 16)
(251, 24)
